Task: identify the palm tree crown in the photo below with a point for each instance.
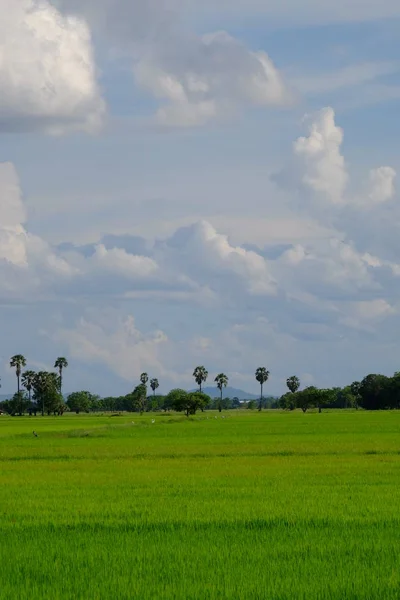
(144, 378)
(200, 375)
(222, 381)
(154, 385)
(293, 383)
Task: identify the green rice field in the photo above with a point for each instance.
(280, 506)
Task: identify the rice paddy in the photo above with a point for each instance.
(280, 506)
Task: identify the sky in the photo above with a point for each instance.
(190, 183)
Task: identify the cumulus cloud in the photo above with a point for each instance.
(196, 260)
(116, 343)
(324, 166)
(208, 77)
(47, 71)
(196, 78)
(207, 256)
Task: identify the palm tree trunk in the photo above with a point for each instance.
(260, 408)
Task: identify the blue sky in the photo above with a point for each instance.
(188, 183)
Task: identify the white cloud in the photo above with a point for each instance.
(382, 184)
(196, 78)
(47, 71)
(213, 76)
(324, 167)
(115, 343)
(209, 258)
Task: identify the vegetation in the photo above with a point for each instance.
(262, 376)
(200, 375)
(187, 402)
(222, 381)
(60, 364)
(279, 505)
(374, 392)
(18, 362)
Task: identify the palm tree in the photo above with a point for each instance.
(144, 378)
(200, 375)
(18, 362)
(60, 364)
(154, 385)
(222, 381)
(28, 379)
(262, 376)
(293, 383)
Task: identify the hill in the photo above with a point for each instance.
(228, 392)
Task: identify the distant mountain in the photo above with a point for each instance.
(229, 392)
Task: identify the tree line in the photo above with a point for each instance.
(42, 393)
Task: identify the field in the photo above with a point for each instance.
(253, 506)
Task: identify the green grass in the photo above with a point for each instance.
(253, 506)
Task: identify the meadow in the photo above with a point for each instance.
(280, 506)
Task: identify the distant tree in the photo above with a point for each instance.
(28, 378)
(222, 381)
(308, 398)
(187, 402)
(236, 402)
(60, 364)
(262, 376)
(139, 395)
(154, 385)
(288, 401)
(46, 388)
(355, 390)
(18, 362)
(375, 392)
(80, 402)
(200, 375)
(144, 378)
(293, 383)
(20, 403)
(251, 404)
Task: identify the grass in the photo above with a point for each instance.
(253, 506)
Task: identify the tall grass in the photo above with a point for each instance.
(253, 506)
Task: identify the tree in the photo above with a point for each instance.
(46, 392)
(28, 378)
(222, 381)
(293, 383)
(355, 390)
(200, 375)
(60, 364)
(139, 396)
(144, 378)
(80, 402)
(288, 401)
(18, 362)
(187, 402)
(262, 376)
(154, 385)
(307, 398)
(375, 392)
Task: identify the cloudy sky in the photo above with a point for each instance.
(186, 182)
